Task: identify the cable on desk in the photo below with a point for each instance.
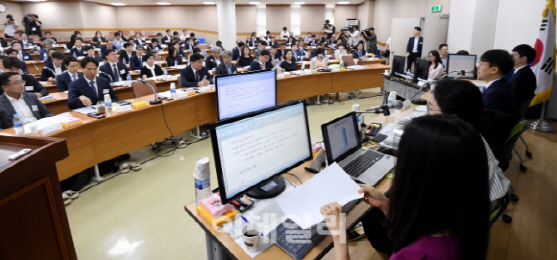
(164, 118)
(301, 182)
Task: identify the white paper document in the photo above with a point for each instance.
(303, 204)
(421, 108)
(86, 110)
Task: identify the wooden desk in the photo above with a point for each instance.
(94, 141)
(35, 66)
(229, 248)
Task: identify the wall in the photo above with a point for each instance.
(343, 12)
(98, 16)
(386, 10)
(278, 16)
(435, 30)
(510, 31)
(366, 13)
(246, 19)
(461, 25)
(14, 10)
(312, 18)
(51, 13)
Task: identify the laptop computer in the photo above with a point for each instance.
(343, 146)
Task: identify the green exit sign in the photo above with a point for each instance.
(436, 9)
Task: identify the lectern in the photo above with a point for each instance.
(33, 221)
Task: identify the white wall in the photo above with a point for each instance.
(461, 25)
(484, 26)
(518, 22)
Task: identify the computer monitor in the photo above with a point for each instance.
(398, 64)
(457, 63)
(421, 69)
(239, 94)
(252, 150)
(341, 137)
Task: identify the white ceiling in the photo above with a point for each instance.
(200, 2)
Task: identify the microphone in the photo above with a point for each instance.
(155, 101)
(106, 74)
(396, 105)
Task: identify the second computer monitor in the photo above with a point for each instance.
(421, 69)
(239, 94)
(398, 64)
(456, 64)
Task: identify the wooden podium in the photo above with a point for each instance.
(33, 221)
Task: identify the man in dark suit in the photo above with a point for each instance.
(53, 69)
(215, 59)
(226, 67)
(108, 46)
(91, 53)
(89, 89)
(414, 47)
(497, 94)
(195, 75)
(115, 70)
(78, 50)
(281, 51)
(313, 42)
(31, 84)
(168, 38)
(275, 56)
(22, 55)
(136, 61)
(524, 81)
(48, 36)
(298, 53)
(236, 51)
(16, 101)
(262, 45)
(70, 75)
(3, 43)
(264, 58)
(14, 53)
(25, 42)
(127, 53)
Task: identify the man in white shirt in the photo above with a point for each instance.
(355, 36)
(184, 35)
(414, 47)
(15, 101)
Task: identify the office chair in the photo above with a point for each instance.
(501, 209)
(508, 147)
(139, 90)
(521, 112)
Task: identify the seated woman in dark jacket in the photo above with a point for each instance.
(288, 64)
(245, 58)
(173, 59)
(150, 69)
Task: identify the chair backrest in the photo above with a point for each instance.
(149, 33)
(507, 151)
(348, 60)
(140, 89)
(502, 205)
(522, 109)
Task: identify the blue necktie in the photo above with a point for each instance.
(92, 85)
(197, 76)
(74, 77)
(484, 89)
(116, 75)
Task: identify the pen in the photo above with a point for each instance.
(244, 219)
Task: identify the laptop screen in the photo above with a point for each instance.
(341, 136)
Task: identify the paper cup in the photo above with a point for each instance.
(251, 236)
(202, 168)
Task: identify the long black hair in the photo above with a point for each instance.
(441, 186)
(437, 58)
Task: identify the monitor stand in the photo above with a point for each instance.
(271, 189)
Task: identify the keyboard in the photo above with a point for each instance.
(363, 162)
(297, 242)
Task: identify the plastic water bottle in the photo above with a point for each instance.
(108, 104)
(165, 75)
(175, 62)
(341, 64)
(202, 179)
(173, 91)
(129, 77)
(1, 51)
(408, 75)
(18, 125)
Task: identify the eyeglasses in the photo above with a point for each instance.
(17, 82)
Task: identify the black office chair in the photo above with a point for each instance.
(501, 209)
(508, 147)
(521, 112)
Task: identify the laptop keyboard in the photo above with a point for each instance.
(363, 162)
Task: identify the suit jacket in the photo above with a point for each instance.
(524, 85)
(255, 65)
(313, 43)
(140, 42)
(122, 71)
(43, 54)
(289, 66)
(7, 111)
(124, 55)
(146, 71)
(170, 60)
(289, 44)
(166, 39)
(298, 55)
(78, 53)
(29, 42)
(211, 62)
(136, 63)
(80, 87)
(104, 48)
(280, 54)
(251, 43)
(3, 42)
(63, 80)
(48, 71)
(26, 56)
(235, 53)
(221, 69)
(187, 77)
(32, 85)
(410, 45)
(499, 96)
(357, 55)
(244, 62)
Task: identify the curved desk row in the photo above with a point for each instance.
(97, 140)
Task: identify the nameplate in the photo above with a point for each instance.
(123, 108)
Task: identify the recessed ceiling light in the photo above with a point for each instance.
(299, 3)
(118, 4)
(36, 0)
(163, 3)
(208, 3)
(253, 3)
(343, 3)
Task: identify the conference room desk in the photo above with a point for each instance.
(221, 246)
(35, 67)
(360, 62)
(171, 71)
(403, 89)
(98, 140)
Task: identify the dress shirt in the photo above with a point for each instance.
(151, 68)
(228, 68)
(22, 109)
(58, 70)
(20, 55)
(489, 84)
(416, 41)
(115, 72)
(73, 77)
(444, 61)
(516, 70)
(284, 34)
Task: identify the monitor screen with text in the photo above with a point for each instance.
(457, 63)
(244, 93)
(257, 147)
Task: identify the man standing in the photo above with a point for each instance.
(444, 51)
(16, 101)
(226, 67)
(524, 81)
(371, 39)
(414, 47)
(35, 26)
